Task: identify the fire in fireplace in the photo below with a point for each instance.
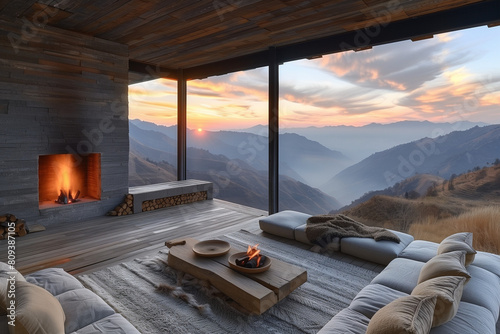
(64, 180)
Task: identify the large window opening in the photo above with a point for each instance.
(153, 132)
(227, 135)
(404, 136)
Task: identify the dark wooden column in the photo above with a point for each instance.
(181, 125)
(273, 131)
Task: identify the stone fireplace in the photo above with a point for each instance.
(64, 179)
(65, 98)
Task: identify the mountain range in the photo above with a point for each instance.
(442, 156)
(313, 178)
(300, 158)
(239, 183)
(359, 142)
(241, 179)
(391, 208)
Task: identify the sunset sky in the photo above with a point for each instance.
(449, 78)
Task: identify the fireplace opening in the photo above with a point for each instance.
(63, 179)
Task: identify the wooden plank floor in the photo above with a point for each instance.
(104, 241)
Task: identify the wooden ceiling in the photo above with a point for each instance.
(209, 37)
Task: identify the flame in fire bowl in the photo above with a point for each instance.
(263, 266)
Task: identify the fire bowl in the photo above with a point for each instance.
(232, 263)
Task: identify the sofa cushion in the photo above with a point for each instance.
(420, 250)
(54, 280)
(400, 274)
(347, 321)
(409, 314)
(448, 290)
(37, 311)
(483, 289)
(446, 264)
(283, 223)
(470, 319)
(381, 252)
(373, 297)
(459, 242)
(300, 235)
(488, 261)
(82, 307)
(114, 323)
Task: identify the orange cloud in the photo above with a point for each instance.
(225, 90)
(492, 99)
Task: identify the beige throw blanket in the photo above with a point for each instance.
(323, 229)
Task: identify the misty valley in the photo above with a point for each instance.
(399, 175)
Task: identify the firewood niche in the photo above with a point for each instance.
(10, 222)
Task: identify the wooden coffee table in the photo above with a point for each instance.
(254, 292)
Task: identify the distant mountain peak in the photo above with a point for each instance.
(452, 153)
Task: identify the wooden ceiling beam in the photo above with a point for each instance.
(481, 13)
(469, 16)
(141, 72)
(241, 63)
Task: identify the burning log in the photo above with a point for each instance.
(253, 258)
(66, 198)
(247, 262)
(63, 198)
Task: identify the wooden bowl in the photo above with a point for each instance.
(211, 248)
(232, 263)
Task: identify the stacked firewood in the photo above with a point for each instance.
(11, 223)
(125, 208)
(165, 202)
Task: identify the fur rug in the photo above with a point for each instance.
(158, 299)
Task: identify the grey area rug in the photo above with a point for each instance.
(145, 292)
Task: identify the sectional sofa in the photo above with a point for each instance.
(426, 287)
(52, 301)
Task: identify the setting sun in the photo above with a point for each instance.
(200, 129)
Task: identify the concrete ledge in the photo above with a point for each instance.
(168, 189)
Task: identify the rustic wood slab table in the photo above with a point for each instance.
(254, 292)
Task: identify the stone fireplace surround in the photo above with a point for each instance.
(61, 93)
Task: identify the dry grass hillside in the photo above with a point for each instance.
(468, 202)
(483, 222)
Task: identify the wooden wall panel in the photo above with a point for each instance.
(60, 92)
